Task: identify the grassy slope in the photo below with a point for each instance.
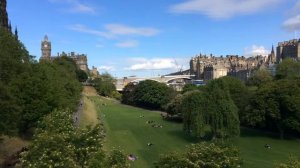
(89, 115)
(126, 130)
(10, 145)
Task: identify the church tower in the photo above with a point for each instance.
(46, 49)
(3, 15)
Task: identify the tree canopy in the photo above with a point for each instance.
(210, 113)
(204, 155)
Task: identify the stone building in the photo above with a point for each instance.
(80, 59)
(288, 49)
(212, 67)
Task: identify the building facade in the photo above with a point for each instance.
(80, 59)
(212, 67)
(288, 49)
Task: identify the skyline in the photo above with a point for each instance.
(148, 38)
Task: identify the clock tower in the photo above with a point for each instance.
(46, 49)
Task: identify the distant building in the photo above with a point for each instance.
(94, 72)
(212, 67)
(80, 59)
(288, 49)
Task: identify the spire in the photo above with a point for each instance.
(272, 52)
(46, 38)
(16, 33)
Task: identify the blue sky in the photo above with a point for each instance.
(151, 37)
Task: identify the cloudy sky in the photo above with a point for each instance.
(151, 37)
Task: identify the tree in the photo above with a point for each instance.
(211, 113)
(288, 68)
(105, 85)
(239, 93)
(204, 155)
(81, 75)
(152, 94)
(127, 96)
(277, 104)
(189, 87)
(174, 106)
(14, 63)
(58, 143)
(260, 77)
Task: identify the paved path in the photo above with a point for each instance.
(77, 114)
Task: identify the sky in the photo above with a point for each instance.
(152, 37)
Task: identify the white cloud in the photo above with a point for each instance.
(119, 29)
(151, 64)
(82, 8)
(128, 44)
(292, 24)
(75, 6)
(255, 50)
(106, 68)
(84, 29)
(114, 30)
(223, 8)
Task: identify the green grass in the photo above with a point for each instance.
(127, 131)
(89, 114)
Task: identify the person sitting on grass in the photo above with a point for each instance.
(267, 146)
(149, 144)
(131, 157)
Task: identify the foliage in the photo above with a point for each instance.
(152, 94)
(260, 77)
(117, 95)
(105, 85)
(204, 155)
(189, 87)
(210, 113)
(48, 87)
(293, 162)
(58, 143)
(128, 96)
(82, 76)
(276, 104)
(14, 62)
(174, 106)
(239, 93)
(288, 68)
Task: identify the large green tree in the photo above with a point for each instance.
(277, 104)
(14, 66)
(288, 68)
(260, 77)
(211, 113)
(152, 94)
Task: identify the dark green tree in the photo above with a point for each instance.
(204, 155)
(189, 87)
(127, 96)
(260, 77)
(277, 104)
(81, 75)
(211, 113)
(288, 68)
(239, 93)
(152, 94)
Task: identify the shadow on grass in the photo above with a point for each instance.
(182, 135)
(250, 132)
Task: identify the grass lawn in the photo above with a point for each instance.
(130, 132)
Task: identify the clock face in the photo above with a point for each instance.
(45, 45)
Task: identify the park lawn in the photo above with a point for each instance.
(126, 130)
